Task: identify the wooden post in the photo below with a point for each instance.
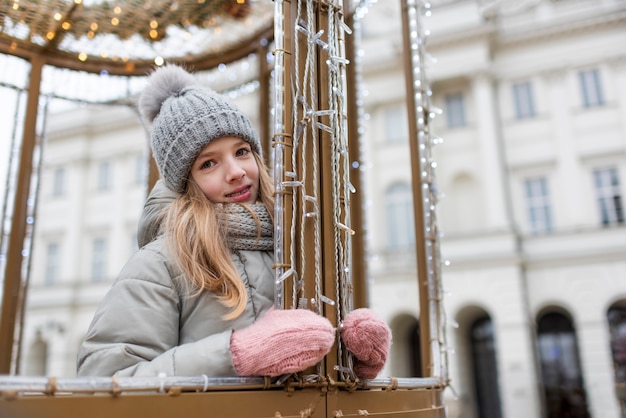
(418, 200)
(264, 100)
(13, 280)
(359, 265)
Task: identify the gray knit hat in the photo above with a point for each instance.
(185, 118)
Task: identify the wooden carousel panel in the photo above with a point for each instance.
(421, 403)
(309, 403)
(261, 404)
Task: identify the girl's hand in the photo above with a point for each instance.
(281, 342)
(368, 337)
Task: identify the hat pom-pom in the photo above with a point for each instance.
(163, 83)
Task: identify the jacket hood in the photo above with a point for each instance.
(149, 224)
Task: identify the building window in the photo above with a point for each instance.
(134, 243)
(590, 88)
(104, 176)
(98, 263)
(37, 357)
(58, 182)
(560, 367)
(538, 205)
(609, 195)
(396, 129)
(485, 368)
(455, 110)
(53, 261)
(141, 169)
(524, 104)
(400, 222)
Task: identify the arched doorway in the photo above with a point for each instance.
(484, 363)
(406, 351)
(415, 350)
(617, 329)
(560, 367)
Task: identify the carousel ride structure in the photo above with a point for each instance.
(310, 139)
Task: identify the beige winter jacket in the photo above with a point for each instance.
(147, 324)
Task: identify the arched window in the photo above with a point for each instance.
(560, 367)
(617, 329)
(485, 368)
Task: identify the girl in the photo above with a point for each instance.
(197, 298)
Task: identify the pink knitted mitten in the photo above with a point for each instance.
(368, 337)
(281, 342)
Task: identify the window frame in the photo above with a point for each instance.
(52, 266)
(609, 197)
(591, 88)
(538, 205)
(399, 218)
(523, 100)
(99, 256)
(58, 181)
(396, 125)
(455, 110)
(103, 181)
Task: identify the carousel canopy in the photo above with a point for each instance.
(128, 37)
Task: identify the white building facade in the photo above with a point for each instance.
(532, 174)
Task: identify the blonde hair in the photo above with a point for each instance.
(191, 229)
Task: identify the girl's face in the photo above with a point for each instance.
(227, 172)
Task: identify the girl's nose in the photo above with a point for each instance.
(235, 171)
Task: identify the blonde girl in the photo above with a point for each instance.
(196, 298)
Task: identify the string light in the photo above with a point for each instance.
(417, 37)
(316, 116)
(177, 33)
(279, 149)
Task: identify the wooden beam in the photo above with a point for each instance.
(13, 280)
(138, 67)
(418, 201)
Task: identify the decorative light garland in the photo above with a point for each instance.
(424, 114)
(317, 117)
(279, 152)
(129, 30)
(302, 183)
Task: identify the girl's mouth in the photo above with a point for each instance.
(240, 195)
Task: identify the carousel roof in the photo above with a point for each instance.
(128, 37)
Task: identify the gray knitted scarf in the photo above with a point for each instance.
(242, 230)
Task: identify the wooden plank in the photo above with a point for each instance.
(423, 403)
(309, 403)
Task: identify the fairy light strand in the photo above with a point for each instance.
(279, 150)
(318, 54)
(424, 113)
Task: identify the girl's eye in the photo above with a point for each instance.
(242, 151)
(207, 164)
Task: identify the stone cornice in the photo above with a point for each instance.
(561, 27)
(534, 32)
(81, 121)
(463, 35)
